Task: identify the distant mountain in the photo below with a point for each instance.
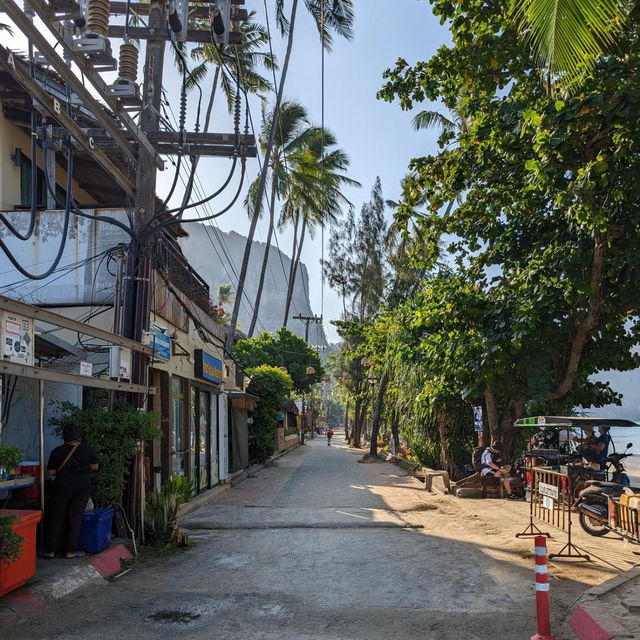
(217, 256)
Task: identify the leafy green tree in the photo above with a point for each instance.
(544, 248)
(357, 257)
(272, 387)
(282, 349)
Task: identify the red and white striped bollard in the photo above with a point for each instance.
(542, 591)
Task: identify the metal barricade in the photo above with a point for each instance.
(551, 503)
(625, 520)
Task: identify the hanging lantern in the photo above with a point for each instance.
(310, 371)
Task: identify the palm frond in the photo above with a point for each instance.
(433, 120)
(567, 36)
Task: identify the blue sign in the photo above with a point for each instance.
(207, 367)
(477, 418)
(161, 344)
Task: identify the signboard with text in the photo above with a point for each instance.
(207, 367)
(17, 338)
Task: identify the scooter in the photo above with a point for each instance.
(593, 500)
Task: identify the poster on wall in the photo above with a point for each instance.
(17, 338)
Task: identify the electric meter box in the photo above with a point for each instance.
(17, 338)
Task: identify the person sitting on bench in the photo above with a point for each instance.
(492, 466)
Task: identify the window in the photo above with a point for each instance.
(41, 188)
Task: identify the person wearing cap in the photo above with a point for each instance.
(591, 446)
(492, 466)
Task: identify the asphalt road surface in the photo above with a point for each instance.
(316, 546)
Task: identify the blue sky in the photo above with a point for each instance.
(376, 135)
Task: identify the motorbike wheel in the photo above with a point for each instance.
(592, 526)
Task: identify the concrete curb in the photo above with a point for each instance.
(590, 620)
(93, 573)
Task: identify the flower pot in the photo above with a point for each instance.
(15, 574)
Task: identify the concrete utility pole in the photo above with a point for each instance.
(307, 321)
(138, 264)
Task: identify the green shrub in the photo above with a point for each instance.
(272, 387)
(114, 436)
(10, 541)
(161, 515)
(10, 457)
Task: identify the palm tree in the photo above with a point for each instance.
(567, 36)
(249, 59)
(331, 16)
(293, 134)
(314, 196)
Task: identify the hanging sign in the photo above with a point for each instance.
(160, 342)
(17, 338)
(207, 367)
(478, 424)
(86, 369)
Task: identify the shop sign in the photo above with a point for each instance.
(86, 369)
(160, 342)
(17, 338)
(207, 367)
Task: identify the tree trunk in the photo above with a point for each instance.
(377, 412)
(394, 427)
(265, 261)
(194, 159)
(357, 425)
(346, 420)
(254, 219)
(296, 264)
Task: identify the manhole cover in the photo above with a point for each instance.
(168, 617)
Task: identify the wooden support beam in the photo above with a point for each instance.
(44, 373)
(202, 36)
(218, 151)
(42, 44)
(54, 108)
(49, 317)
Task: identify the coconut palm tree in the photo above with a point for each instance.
(567, 36)
(293, 133)
(317, 175)
(335, 16)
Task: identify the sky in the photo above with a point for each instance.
(377, 136)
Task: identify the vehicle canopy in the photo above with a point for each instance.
(573, 422)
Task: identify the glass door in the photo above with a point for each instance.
(204, 440)
(177, 448)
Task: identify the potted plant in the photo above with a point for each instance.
(17, 547)
(10, 458)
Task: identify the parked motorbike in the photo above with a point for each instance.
(593, 499)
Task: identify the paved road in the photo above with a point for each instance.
(318, 547)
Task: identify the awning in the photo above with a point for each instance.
(243, 400)
(569, 422)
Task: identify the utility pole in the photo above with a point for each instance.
(307, 321)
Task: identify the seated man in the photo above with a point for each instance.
(605, 439)
(591, 447)
(492, 466)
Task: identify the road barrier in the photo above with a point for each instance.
(543, 618)
(551, 502)
(624, 520)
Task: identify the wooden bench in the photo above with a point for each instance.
(491, 484)
(430, 475)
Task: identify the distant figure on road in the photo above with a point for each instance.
(492, 466)
(329, 434)
(392, 447)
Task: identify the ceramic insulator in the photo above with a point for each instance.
(128, 63)
(98, 17)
